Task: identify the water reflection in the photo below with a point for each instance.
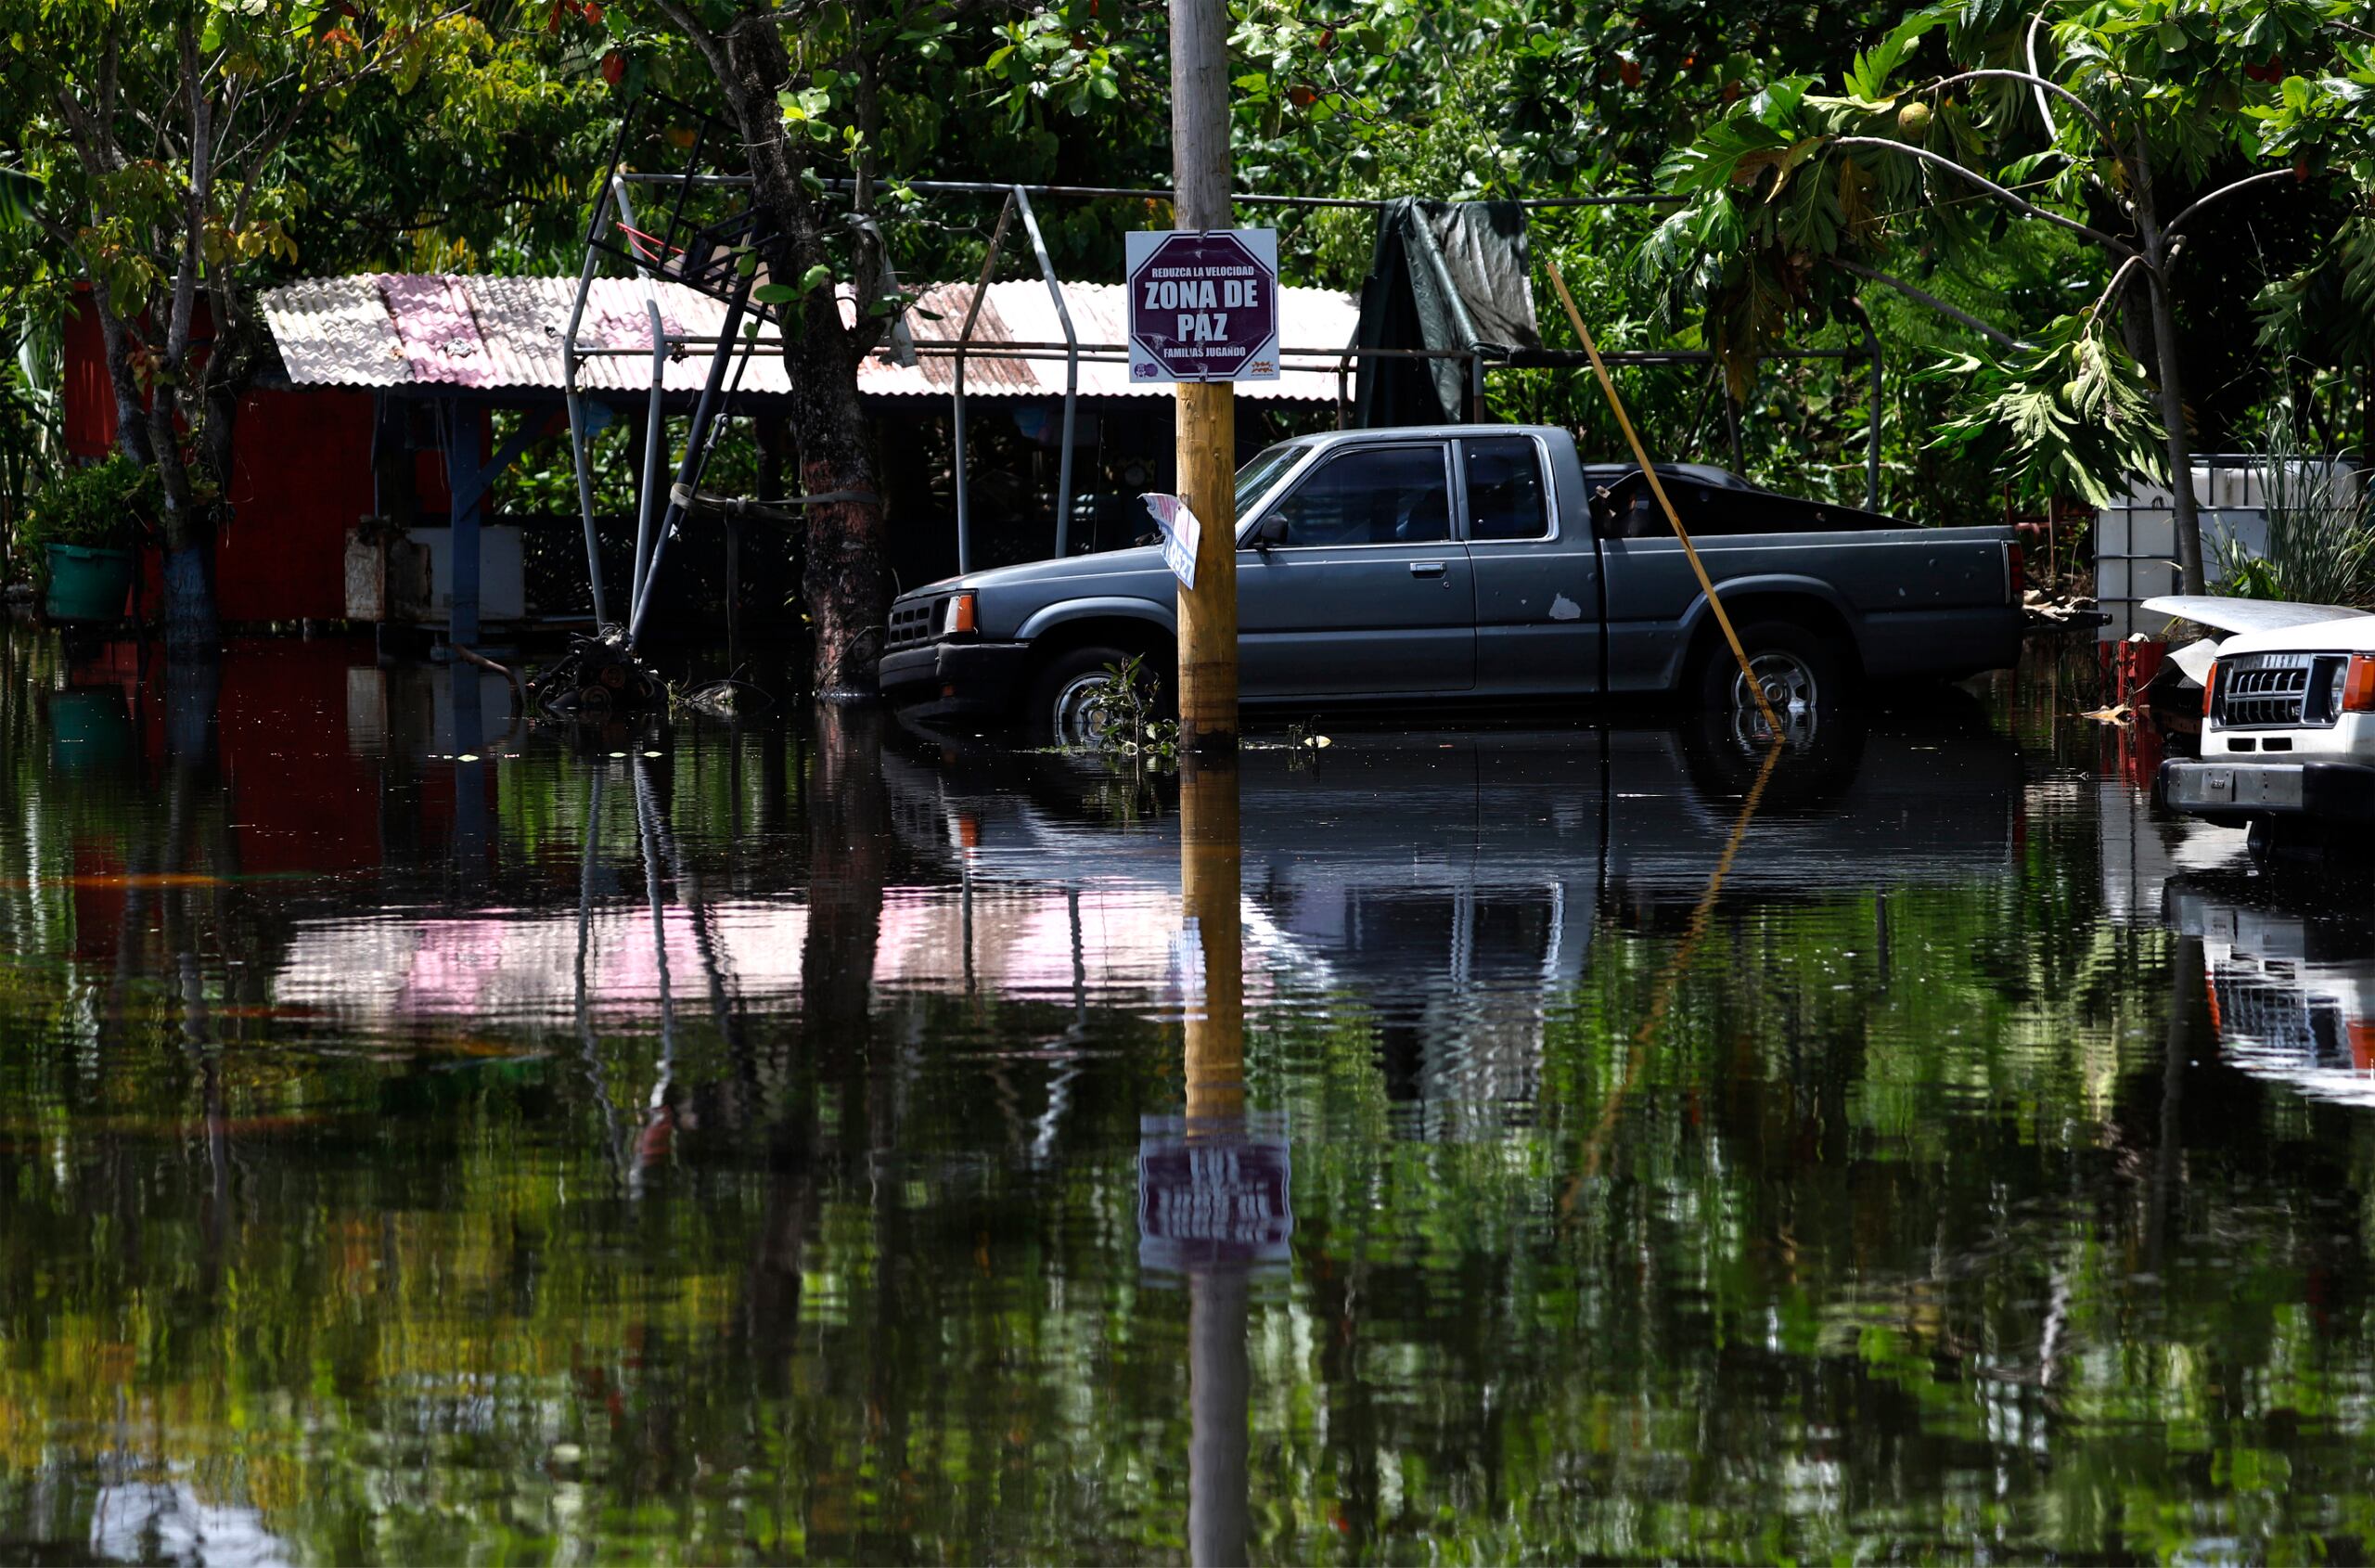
(2284, 964)
(765, 1141)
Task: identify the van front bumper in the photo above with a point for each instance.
(2239, 792)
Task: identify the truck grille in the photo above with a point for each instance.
(2265, 697)
(2274, 691)
(911, 623)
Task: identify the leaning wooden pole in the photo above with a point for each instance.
(1641, 456)
(1207, 425)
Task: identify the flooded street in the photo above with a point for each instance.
(424, 1137)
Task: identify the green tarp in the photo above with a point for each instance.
(1446, 275)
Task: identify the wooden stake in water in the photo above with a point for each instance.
(1641, 456)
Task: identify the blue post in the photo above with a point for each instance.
(466, 477)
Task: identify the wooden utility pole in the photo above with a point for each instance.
(1207, 437)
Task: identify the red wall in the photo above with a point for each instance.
(300, 476)
(90, 402)
(300, 460)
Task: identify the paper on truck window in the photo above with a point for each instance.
(1181, 534)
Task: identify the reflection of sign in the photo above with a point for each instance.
(1214, 1199)
(1203, 306)
(1181, 534)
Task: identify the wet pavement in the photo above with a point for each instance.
(426, 1137)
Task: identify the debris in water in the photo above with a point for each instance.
(726, 699)
(596, 676)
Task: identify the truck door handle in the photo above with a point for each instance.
(1426, 569)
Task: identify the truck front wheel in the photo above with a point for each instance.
(1799, 675)
(1079, 699)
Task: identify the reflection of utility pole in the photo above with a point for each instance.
(1211, 871)
(1210, 877)
(1207, 410)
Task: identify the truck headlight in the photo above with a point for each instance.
(957, 616)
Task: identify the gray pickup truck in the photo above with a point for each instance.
(1471, 562)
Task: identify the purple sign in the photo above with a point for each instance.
(1204, 307)
(1213, 1196)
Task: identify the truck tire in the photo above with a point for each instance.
(1803, 677)
(1069, 695)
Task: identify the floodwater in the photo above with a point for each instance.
(428, 1140)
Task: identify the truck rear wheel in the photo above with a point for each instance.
(1073, 702)
(1801, 678)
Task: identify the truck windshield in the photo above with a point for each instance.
(1259, 476)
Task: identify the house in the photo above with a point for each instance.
(386, 397)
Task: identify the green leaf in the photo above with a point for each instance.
(1867, 79)
(774, 293)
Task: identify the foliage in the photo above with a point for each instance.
(106, 505)
(2320, 530)
(172, 157)
(32, 438)
(1799, 199)
(2074, 416)
(1127, 720)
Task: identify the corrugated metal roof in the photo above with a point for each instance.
(394, 330)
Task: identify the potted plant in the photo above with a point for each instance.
(80, 530)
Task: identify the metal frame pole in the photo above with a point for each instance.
(1872, 432)
(1071, 370)
(578, 434)
(964, 341)
(655, 432)
(698, 442)
(655, 424)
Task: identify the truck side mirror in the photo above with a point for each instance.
(1271, 530)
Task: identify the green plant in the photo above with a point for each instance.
(98, 506)
(2320, 530)
(1127, 720)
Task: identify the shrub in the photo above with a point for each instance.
(102, 505)
(2321, 530)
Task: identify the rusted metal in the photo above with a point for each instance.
(956, 421)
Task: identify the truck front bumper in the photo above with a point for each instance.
(955, 680)
(2239, 792)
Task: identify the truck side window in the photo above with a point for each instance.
(1505, 498)
(1371, 495)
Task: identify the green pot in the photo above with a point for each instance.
(90, 731)
(86, 583)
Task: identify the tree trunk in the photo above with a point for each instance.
(131, 416)
(846, 581)
(2157, 257)
(2187, 507)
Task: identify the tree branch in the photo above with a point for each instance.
(2043, 87)
(2116, 246)
(2044, 111)
(2223, 192)
(1923, 297)
(2110, 290)
(712, 49)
